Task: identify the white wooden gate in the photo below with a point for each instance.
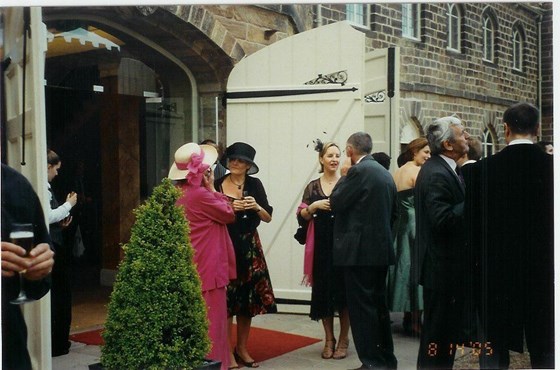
(381, 101)
(282, 98)
(32, 162)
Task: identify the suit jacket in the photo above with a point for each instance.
(509, 213)
(20, 204)
(437, 260)
(364, 203)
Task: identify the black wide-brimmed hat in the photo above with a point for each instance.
(241, 151)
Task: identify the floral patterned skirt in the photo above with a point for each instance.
(251, 293)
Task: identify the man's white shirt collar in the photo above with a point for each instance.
(362, 157)
(520, 141)
(449, 161)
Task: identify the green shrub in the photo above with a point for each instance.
(156, 315)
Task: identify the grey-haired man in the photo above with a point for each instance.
(437, 258)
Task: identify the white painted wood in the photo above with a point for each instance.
(37, 314)
(381, 119)
(282, 130)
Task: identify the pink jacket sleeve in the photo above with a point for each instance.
(215, 206)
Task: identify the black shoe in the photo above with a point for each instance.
(59, 352)
(60, 349)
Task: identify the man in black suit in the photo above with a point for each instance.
(437, 262)
(509, 213)
(364, 203)
(20, 204)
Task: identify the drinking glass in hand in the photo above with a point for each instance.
(22, 235)
(245, 193)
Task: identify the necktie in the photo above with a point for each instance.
(460, 174)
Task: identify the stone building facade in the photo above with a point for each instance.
(436, 80)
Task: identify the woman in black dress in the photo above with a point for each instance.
(251, 293)
(328, 292)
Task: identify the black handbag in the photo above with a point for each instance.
(301, 232)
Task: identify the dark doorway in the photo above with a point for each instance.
(73, 132)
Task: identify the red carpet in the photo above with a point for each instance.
(263, 343)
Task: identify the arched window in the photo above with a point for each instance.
(454, 28)
(517, 40)
(487, 144)
(488, 30)
(411, 21)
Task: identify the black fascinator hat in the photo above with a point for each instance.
(241, 151)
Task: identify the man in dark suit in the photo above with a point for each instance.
(509, 213)
(364, 203)
(20, 204)
(437, 262)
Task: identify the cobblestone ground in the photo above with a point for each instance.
(469, 361)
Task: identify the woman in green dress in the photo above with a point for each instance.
(402, 295)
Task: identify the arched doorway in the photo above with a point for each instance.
(116, 109)
(120, 98)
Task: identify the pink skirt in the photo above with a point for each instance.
(218, 328)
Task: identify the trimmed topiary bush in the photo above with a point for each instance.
(156, 315)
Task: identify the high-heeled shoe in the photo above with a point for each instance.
(341, 350)
(239, 359)
(328, 350)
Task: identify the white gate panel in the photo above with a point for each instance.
(381, 110)
(282, 129)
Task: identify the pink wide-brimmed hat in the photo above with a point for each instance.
(183, 156)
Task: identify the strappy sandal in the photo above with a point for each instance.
(341, 350)
(328, 351)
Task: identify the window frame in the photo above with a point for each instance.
(488, 147)
(453, 18)
(517, 49)
(351, 14)
(412, 8)
(488, 26)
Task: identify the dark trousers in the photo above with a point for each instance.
(61, 301)
(540, 343)
(369, 316)
(442, 321)
(499, 359)
(538, 328)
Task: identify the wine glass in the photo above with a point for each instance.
(245, 193)
(22, 235)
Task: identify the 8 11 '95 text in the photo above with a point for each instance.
(476, 348)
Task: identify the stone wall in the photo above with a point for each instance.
(462, 83)
(547, 66)
(441, 81)
(251, 27)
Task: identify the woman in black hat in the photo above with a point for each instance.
(251, 293)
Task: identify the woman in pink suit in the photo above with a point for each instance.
(208, 212)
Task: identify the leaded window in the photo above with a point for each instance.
(454, 27)
(517, 49)
(488, 38)
(411, 20)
